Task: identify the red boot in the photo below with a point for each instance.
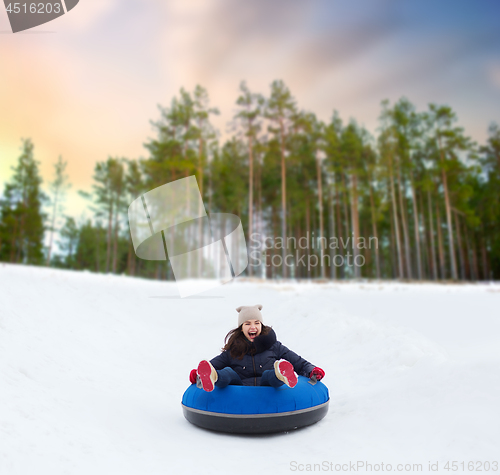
(285, 372)
(208, 375)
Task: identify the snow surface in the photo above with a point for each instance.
(93, 368)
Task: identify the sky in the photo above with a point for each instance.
(87, 85)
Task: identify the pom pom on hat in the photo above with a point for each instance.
(249, 313)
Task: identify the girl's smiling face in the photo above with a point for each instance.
(251, 329)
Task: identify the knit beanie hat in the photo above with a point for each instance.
(249, 313)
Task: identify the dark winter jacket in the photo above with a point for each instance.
(261, 355)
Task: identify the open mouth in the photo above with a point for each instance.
(252, 334)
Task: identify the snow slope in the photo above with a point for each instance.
(93, 367)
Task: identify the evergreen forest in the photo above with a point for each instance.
(420, 200)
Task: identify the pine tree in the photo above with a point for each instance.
(387, 150)
(22, 219)
(352, 153)
(203, 131)
(58, 188)
(280, 109)
(448, 142)
(109, 203)
(331, 138)
(249, 114)
(69, 239)
(486, 199)
(406, 129)
(135, 186)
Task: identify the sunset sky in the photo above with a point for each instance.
(86, 85)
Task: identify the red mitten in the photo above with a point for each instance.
(318, 372)
(192, 376)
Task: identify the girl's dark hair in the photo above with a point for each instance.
(237, 343)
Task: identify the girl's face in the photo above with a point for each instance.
(251, 329)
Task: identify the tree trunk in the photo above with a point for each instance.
(209, 190)
(485, 259)
(314, 239)
(346, 213)
(308, 234)
(115, 241)
(21, 226)
(426, 263)
(250, 192)
(417, 227)
(283, 192)
(394, 256)
(97, 253)
(339, 220)
(475, 264)
(320, 206)
(260, 220)
(333, 268)
(200, 162)
(406, 235)
(295, 266)
(453, 262)
(355, 223)
(139, 267)
(469, 266)
(108, 242)
(70, 254)
(199, 270)
(54, 211)
(396, 224)
(273, 249)
(21, 235)
(431, 234)
(442, 263)
(460, 248)
(374, 231)
(129, 257)
(13, 242)
(364, 250)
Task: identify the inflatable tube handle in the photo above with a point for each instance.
(313, 380)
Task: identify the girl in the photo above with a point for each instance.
(253, 357)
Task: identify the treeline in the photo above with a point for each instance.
(419, 201)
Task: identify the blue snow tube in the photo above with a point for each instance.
(256, 409)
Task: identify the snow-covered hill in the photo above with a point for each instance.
(93, 367)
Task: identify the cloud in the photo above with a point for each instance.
(302, 38)
(71, 103)
(494, 74)
(90, 90)
(86, 14)
(303, 43)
